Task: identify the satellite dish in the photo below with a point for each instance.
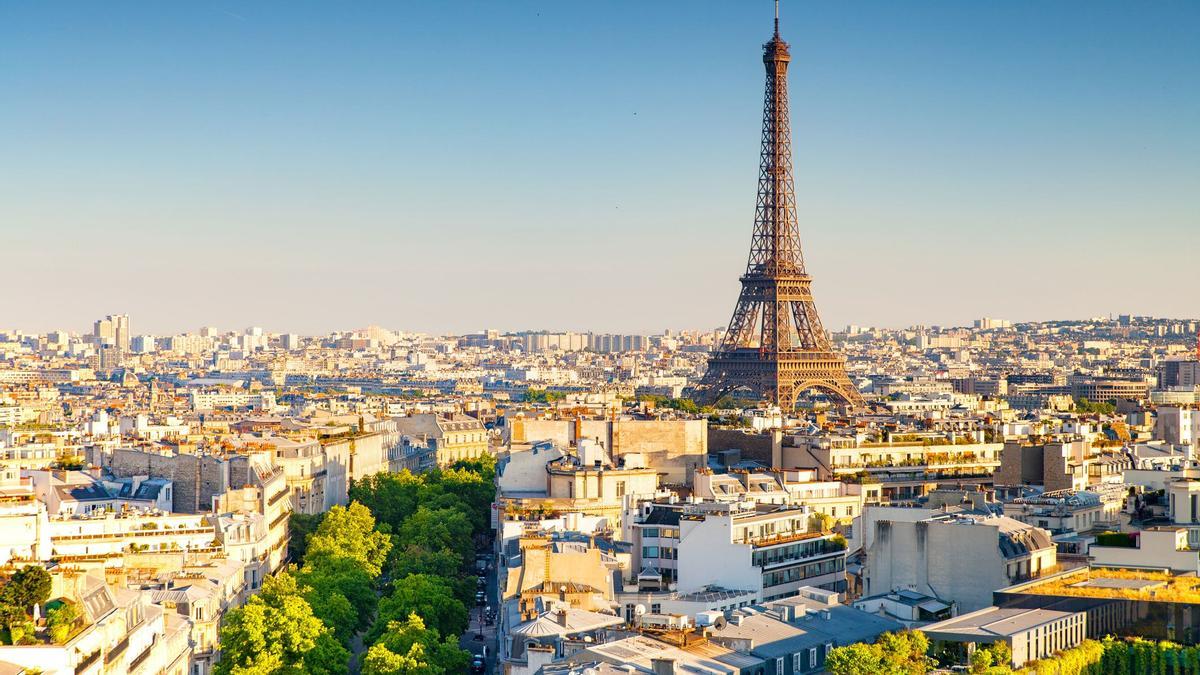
(720, 623)
(639, 610)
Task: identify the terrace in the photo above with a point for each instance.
(1119, 584)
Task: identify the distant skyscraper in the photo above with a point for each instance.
(113, 330)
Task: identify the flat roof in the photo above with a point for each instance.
(1128, 584)
(993, 623)
(1117, 584)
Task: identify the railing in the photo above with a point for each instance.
(133, 533)
(773, 540)
(1044, 572)
(88, 661)
(141, 658)
(115, 653)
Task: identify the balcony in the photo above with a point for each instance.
(783, 538)
(88, 661)
(141, 658)
(115, 653)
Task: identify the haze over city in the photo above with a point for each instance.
(589, 166)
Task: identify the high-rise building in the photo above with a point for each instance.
(143, 344)
(113, 330)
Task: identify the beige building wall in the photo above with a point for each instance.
(674, 448)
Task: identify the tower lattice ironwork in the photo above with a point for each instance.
(775, 347)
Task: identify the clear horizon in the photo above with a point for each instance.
(444, 168)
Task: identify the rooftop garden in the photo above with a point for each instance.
(25, 589)
(1160, 586)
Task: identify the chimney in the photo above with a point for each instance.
(561, 617)
(662, 666)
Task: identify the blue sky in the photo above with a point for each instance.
(446, 166)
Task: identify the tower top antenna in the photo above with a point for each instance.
(776, 18)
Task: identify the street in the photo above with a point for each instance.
(478, 625)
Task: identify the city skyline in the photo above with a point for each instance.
(251, 166)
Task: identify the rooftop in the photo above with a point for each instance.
(991, 623)
(1117, 584)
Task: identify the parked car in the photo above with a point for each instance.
(480, 598)
(478, 665)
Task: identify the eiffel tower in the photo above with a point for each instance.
(775, 347)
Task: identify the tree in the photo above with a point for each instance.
(391, 497)
(430, 597)
(1001, 653)
(473, 492)
(327, 657)
(332, 580)
(901, 653)
(981, 660)
(417, 558)
(60, 621)
(350, 532)
(335, 611)
(275, 632)
(820, 522)
(483, 465)
(543, 396)
(29, 586)
(11, 616)
(409, 647)
(382, 661)
(855, 659)
(300, 527)
(904, 652)
(436, 529)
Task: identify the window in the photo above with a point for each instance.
(779, 666)
(812, 657)
(650, 532)
(649, 551)
(620, 488)
(797, 664)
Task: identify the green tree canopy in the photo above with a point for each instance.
(349, 532)
(300, 527)
(28, 586)
(391, 497)
(901, 653)
(438, 529)
(331, 577)
(275, 632)
(409, 647)
(430, 597)
(855, 659)
(61, 620)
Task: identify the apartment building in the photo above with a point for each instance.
(123, 633)
(766, 549)
(456, 437)
(956, 557)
